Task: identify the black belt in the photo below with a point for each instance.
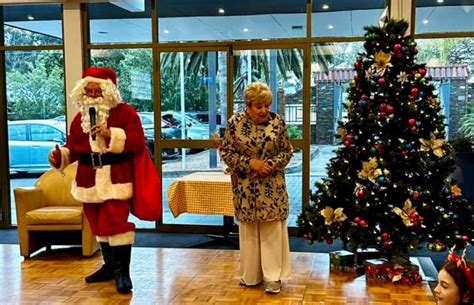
(97, 160)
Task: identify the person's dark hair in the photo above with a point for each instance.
(460, 278)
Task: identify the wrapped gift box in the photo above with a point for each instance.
(354, 270)
(340, 259)
(382, 270)
(365, 254)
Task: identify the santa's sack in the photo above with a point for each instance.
(147, 199)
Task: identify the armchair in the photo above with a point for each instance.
(47, 214)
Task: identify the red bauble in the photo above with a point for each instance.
(414, 92)
(389, 109)
(464, 238)
(363, 224)
(357, 219)
(347, 143)
(397, 47)
(382, 115)
(381, 81)
(365, 97)
(422, 71)
(349, 137)
(357, 65)
(360, 194)
(385, 236)
(411, 122)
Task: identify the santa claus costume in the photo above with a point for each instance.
(110, 172)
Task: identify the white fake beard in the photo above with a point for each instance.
(101, 108)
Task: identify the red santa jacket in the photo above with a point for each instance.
(134, 178)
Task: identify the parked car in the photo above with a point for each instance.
(30, 141)
(195, 130)
(167, 132)
(203, 117)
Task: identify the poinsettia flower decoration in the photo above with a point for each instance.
(433, 144)
(408, 214)
(330, 215)
(369, 170)
(381, 62)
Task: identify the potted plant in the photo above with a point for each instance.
(463, 148)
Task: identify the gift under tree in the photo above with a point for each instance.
(388, 185)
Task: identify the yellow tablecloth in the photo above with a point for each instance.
(207, 193)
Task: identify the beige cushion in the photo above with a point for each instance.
(55, 215)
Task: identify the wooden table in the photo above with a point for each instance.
(208, 193)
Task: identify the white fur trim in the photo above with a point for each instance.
(102, 239)
(103, 189)
(127, 238)
(65, 160)
(117, 140)
(98, 145)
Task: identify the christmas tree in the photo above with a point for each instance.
(388, 186)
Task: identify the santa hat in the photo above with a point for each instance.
(105, 77)
(98, 74)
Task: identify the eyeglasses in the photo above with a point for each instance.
(93, 92)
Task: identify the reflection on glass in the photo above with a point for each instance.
(119, 21)
(193, 94)
(450, 63)
(33, 25)
(331, 71)
(344, 18)
(282, 71)
(448, 16)
(35, 113)
(180, 20)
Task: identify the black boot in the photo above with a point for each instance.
(106, 272)
(122, 255)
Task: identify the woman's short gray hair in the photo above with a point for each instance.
(257, 92)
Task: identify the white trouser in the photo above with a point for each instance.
(264, 252)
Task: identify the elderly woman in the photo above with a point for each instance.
(256, 148)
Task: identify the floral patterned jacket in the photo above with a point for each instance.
(257, 199)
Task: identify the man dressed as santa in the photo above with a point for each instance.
(106, 138)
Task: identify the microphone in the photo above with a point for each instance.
(92, 119)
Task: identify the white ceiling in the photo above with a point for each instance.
(265, 26)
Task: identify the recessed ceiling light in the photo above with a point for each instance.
(425, 21)
(325, 7)
(30, 17)
(102, 32)
(166, 31)
(440, 1)
(221, 11)
(330, 27)
(245, 30)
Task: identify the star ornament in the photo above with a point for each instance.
(433, 144)
(381, 62)
(330, 215)
(370, 171)
(402, 77)
(406, 213)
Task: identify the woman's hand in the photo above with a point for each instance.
(261, 167)
(101, 130)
